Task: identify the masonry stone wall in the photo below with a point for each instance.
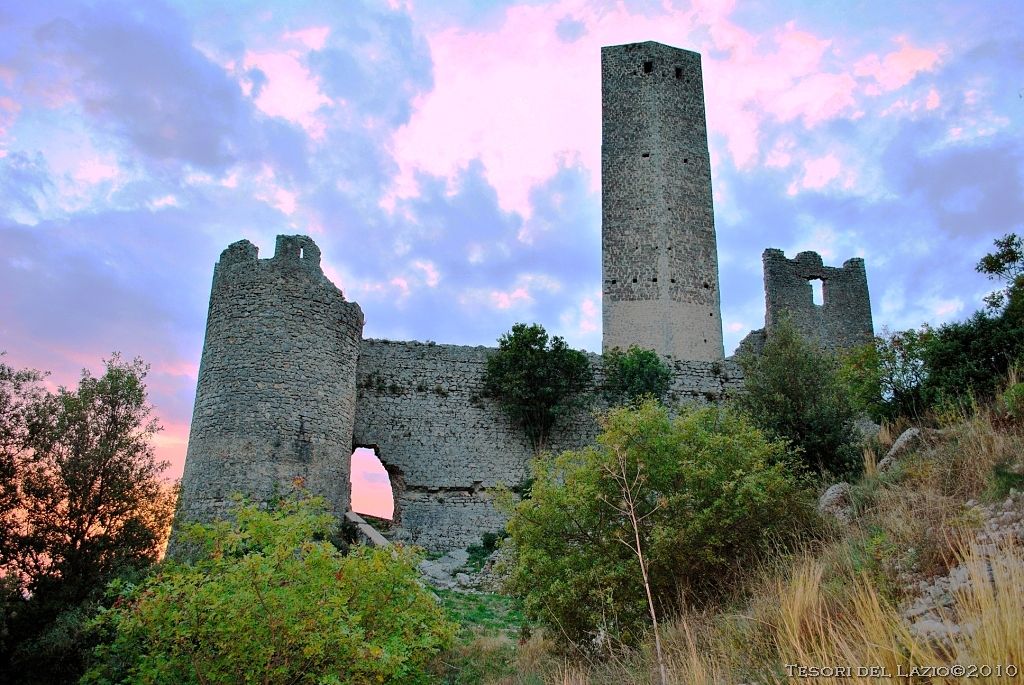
(276, 394)
(446, 445)
(842, 321)
(659, 252)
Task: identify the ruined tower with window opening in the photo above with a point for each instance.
(841, 321)
(288, 386)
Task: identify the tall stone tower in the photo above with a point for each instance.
(659, 253)
(276, 395)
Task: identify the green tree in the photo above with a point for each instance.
(792, 391)
(270, 600)
(697, 497)
(536, 380)
(885, 378)
(1006, 264)
(84, 502)
(21, 397)
(972, 357)
(632, 374)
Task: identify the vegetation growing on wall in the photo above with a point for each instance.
(537, 379)
(633, 374)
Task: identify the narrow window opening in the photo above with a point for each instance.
(302, 252)
(614, 281)
(646, 154)
(686, 160)
(654, 280)
(671, 280)
(679, 73)
(648, 67)
(634, 280)
(817, 291)
(372, 491)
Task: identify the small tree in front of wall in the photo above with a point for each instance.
(536, 379)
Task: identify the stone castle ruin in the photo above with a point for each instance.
(288, 387)
(841, 321)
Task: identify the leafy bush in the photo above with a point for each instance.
(792, 390)
(711, 492)
(971, 358)
(1013, 401)
(1006, 264)
(632, 374)
(536, 379)
(271, 601)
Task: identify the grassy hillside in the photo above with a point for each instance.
(926, 576)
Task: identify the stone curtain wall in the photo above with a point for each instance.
(445, 445)
(659, 252)
(275, 399)
(842, 321)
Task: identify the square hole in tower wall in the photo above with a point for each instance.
(817, 291)
(648, 67)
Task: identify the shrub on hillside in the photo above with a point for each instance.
(271, 601)
(711, 493)
(792, 391)
(972, 358)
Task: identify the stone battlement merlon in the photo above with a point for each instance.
(239, 251)
(241, 260)
(299, 248)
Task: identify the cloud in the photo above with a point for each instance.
(137, 74)
(899, 67)
(447, 161)
(285, 88)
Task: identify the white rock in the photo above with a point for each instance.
(907, 439)
(837, 503)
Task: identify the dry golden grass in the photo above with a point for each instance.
(991, 608)
(870, 462)
(805, 624)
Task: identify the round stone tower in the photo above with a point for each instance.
(276, 396)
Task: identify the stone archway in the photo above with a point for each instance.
(375, 485)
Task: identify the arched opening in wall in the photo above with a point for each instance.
(372, 491)
(817, 291)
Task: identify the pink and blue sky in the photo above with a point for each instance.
(446, 158)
